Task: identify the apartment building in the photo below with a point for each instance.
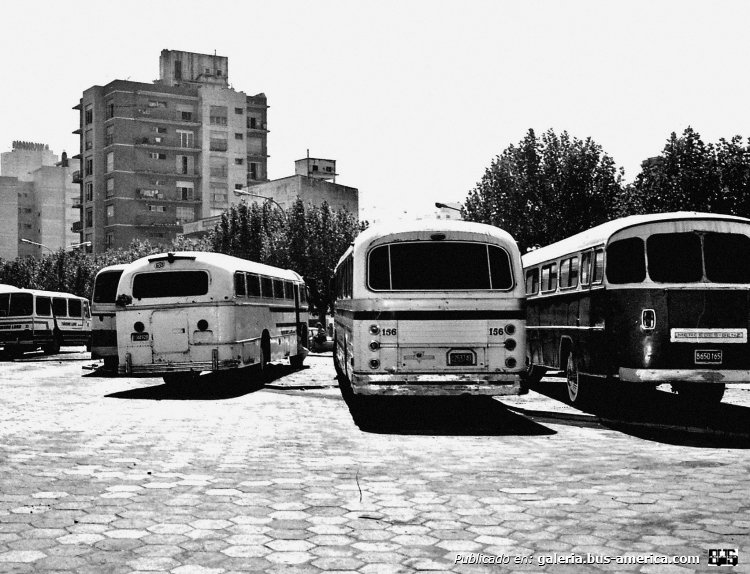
(38, 201)
(156, 156)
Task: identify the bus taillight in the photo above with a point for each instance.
(374, 345)
(648, 319)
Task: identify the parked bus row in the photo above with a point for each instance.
(450, 308)
(177, 314)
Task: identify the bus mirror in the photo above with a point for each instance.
(123, 300)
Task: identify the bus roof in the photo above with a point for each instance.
(600, 234)
(12, 289)
(216, 261)
(378, 231)
(117, 267)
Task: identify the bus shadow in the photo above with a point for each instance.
(660, 416)
(211, 386)
(441, 416)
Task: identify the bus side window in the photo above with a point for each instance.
(75, 308)
(532, 281)
(549, 277)
(586, 268)
(239, 284)
(43, 306)
(266, 285)
(4, 304)
(288, 290)
(60, 307)
(569, 273)
(278, 289)
(253, 285)
(598, 266)
(86, 310)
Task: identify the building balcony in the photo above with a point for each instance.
(155, 220)
(174, 146)
(193, 173)
(167, 116)
(219, 173)
(77, 176)
(77, 227)
(251, 155)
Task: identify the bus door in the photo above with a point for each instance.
(170, 335)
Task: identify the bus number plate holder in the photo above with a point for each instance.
(462, 358)
(708, 357)
(139, 336)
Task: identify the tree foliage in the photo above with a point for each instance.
(690, 175)
(306, 238)
(545, 189)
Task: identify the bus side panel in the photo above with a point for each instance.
(103, 336)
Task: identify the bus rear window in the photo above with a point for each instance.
(625, 261)
(439, 266)
(727, 257)
(20, 305)
(105, 288)
(675, 257)
(170, 284)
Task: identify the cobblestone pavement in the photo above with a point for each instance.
(119, 475)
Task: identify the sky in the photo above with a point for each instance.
(412, 98)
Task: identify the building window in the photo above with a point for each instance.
(218, 193)
(186, 138)
(185, 190)
(109, 240)
(217, 166)
(150, 193)
(89, 115)
(156, 155)
(177, 70)
(238, 110)
(110, 187)
(110, 213)
(157, 208)
(218, 115)
(109, 135)
(218, 141)
(251, 122)
(183, 164)
(89, 191)
(238, 136)
(89, 169)
(89, 217)
(186, 116)
(157, 104)
(110, 105)
(253, 170)
(238, 161)
(110, 162)
(88, 140)
(185, 214)
(158, 129)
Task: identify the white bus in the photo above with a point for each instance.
(430, 308)
(103, 327)
(183, 313)
(30, 318)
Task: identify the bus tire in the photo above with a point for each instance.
(579, 388)
(701, 393)
(336, 364)
(54, 347)
(534, 374)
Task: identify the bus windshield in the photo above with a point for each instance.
(16, 304)
(170, 284)
(439, 266)
(105, 289)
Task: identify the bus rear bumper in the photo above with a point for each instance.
(158, 369)
(437, 385)
(659, 376)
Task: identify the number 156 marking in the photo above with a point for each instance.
(496, 331)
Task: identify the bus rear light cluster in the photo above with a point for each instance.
(510, 362)
(138, 327)
(202, 325)
(648, 319)
(374, 363)
(374, 345)
(510, 328)
(374, 329)
(510, 344)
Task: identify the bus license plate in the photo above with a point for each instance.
(708, 357)
(139, 336)
(461, 358)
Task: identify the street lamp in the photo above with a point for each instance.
(444, 206)
(271, 199)
(73, 246)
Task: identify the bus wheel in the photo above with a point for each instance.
(534, 374)
(336, 364)
(577, 388)
(54, 347)
(706, 393)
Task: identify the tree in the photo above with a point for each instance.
(544, 190)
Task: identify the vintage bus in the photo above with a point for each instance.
(429, 308)
(183, 313)
(642, 301)
(103, 327)
(30, 319)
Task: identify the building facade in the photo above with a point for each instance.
(38, 201)
(156, 156)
